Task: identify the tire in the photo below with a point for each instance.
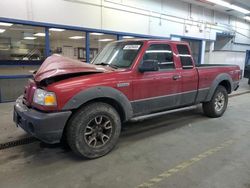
(249, 81)
(94, 130)
(218, 104)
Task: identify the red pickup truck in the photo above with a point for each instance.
(88, 102)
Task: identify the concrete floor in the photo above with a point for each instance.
(149, 154)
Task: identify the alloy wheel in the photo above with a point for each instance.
(98, 131)
(219, 102)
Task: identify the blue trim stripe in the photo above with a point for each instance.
(19, 62)
(7, 101)
(15, 76)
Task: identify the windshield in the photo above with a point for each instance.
(118, 54)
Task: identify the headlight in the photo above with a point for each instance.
(44, 98)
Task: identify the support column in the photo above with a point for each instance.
(87, 47)
(211, 49)
(47, 42)
(203, 50)
(119, 37)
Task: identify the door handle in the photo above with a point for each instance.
(176, 77)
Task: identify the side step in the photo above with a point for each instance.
(148, 116)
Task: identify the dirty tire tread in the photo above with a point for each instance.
(82, 116)
(208, 107)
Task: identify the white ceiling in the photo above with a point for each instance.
(242, 3)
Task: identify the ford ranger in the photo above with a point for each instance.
(87, 102)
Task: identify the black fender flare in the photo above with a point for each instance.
(220, 78)
(101, 92)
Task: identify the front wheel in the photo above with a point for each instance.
(94, 130)
(218, 104)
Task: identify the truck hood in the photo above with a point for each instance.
(57, 65)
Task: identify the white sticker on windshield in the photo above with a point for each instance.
(132, 47)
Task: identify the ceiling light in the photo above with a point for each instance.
(2, 30)
(56, 29)
(5, 24)
(128, 37)
(240, 9)
(77, 37)
(230, 6)
(247, 18)
(40, 34)
(30, 38)
(105, 40)
(98, 34)
(220, 2)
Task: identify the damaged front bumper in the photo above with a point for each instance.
(47, 127)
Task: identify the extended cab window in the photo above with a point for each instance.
(185, 56)
(162, 53)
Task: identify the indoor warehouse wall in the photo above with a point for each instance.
(165, 18)
(226, 57)
(151, 17)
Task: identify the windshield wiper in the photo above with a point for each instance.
(106, 64)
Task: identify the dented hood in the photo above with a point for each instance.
(57, 65)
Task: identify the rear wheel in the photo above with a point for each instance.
(218, 104)
(94, 130)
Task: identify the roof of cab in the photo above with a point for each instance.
(154, 41)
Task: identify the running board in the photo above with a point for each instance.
(148, 116)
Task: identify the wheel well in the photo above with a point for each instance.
(111, 102)
(227, 85)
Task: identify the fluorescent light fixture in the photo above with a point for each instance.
(105, 40)
(56, 29)
(220, 2)
(2, 30)
(6, 24)
(39, 34)
(98, 34)
(128, 37)
(230, 6)
(77, 37)
(240, 9)
(247, 18)
(29, 38)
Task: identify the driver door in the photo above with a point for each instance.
(157, 90)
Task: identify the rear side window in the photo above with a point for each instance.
(185, 56)
(162, 53)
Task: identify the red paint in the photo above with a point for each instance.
(141, 85)
(56, 65)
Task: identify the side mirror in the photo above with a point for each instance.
(149, 65)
